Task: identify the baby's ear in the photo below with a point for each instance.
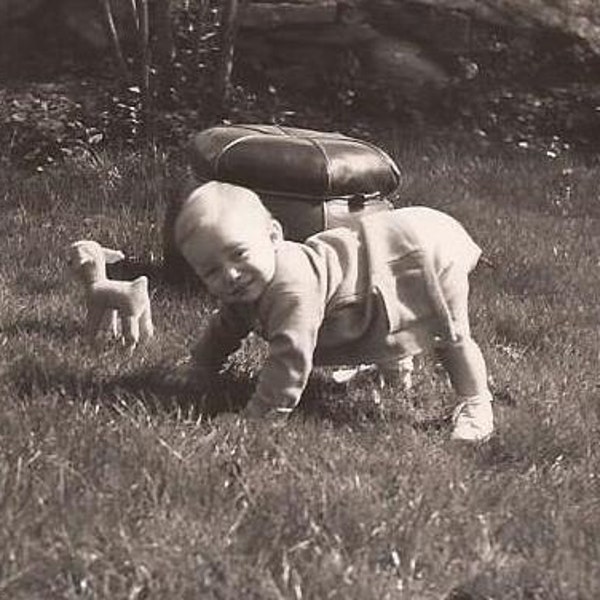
(276, 231)
(112, 256)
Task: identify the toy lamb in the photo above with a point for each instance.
(110, 299)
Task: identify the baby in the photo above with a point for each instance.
(394, 286)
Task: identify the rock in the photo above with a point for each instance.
(85, 19)
(13, 10)
(425, 11)
(447, 31)
(267, 15)
(298, 57)
(579, 19)
(341, 35)
(20, 35)
(402, 67)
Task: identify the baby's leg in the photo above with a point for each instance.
(465, 365)
(464, 362)
(473, 418)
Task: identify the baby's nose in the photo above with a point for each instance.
(233, 273)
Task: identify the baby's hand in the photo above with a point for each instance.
(187, 373)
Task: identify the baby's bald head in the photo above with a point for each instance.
(229, 238)
(209, 204)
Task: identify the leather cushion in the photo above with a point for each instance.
(286, 161)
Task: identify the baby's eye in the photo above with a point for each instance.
(239, 253)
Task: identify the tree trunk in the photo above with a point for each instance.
(144, 49)
(229, 27)
(114, 39)
(165, 48)
(143, 67)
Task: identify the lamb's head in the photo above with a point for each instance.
(89, 259)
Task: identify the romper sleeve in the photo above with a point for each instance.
(292, 323)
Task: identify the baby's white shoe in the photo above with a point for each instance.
(473, 419)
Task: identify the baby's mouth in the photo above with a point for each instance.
(240, 290)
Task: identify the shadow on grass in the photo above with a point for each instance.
(157, 389)
(152, 387)
(356, 405)
(60, 329)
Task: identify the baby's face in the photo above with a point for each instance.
(235, 258)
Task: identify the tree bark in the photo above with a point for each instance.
(165, 49)
(229, 27)
(114, 39)
(141, 18)
(144, 48)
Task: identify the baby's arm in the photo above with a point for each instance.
(221, 337)
(293, 327)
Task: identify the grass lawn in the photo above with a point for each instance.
(116, 483)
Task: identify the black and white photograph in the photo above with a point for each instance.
(299, 299)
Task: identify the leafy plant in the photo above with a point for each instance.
(43, 125)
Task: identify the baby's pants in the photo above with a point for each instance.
(458, 351)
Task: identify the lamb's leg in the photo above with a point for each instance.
(146, 325)
(131, 331)
(112, 322)
(95, 315)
